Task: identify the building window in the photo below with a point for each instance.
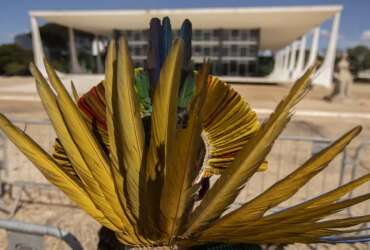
(233, 68)
(234, 33)
(137, 51)
(234, 50)
(144, 34)
(254, 35)
(225, 51)
(197, 35)
(242, 69)
(137, 36)
(215, 33)
(225, 69)
(145, 48)
(252, 67)
(215, 50)
(197, 50)
(220, 44)
(253, 50)
(245, 35)
(243, 51)
(207, 35)
(207, 51)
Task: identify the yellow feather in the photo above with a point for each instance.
(294, 214)
(251, 230)
(119, 98)
(163, 132)
(318, 213)
(228, 125)
(129, 125)
(227, 187)
(87, 144)
(74, 92)
(318, 202)
(284, 189)
(53, 173)
(180, 174)
(90, 185)
(296, 229)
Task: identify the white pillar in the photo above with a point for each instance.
(324, 75)
(277, 65)
(38, 53)
(301, 56)
(293, 56)
(73, 58)
(96, 52)
(285, 66)
(314, 48)
(286, 58)
(279, 60)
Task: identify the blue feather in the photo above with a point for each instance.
(186, 35)
(154, 48)
(167, 38)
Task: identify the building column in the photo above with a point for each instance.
(73, 58)
(292, 60)
(278, 61)
(281, 59)
(280, 67)
(96, 54)
(277, 65)
(314, 48)
(301, 56)
(286, 58)
(38, 53)
(285, 66)
(324, 75)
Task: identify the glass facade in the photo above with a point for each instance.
(232, 52)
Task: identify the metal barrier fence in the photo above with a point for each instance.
(31, 236)
(23, 181)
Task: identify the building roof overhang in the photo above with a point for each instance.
(279, 26)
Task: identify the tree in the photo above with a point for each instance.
(359, 58)
(14, 60)
(265, 65)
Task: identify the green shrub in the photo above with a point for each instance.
(14, 60)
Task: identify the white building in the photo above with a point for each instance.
(283, 30)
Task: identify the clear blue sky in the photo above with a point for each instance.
(14, 19)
